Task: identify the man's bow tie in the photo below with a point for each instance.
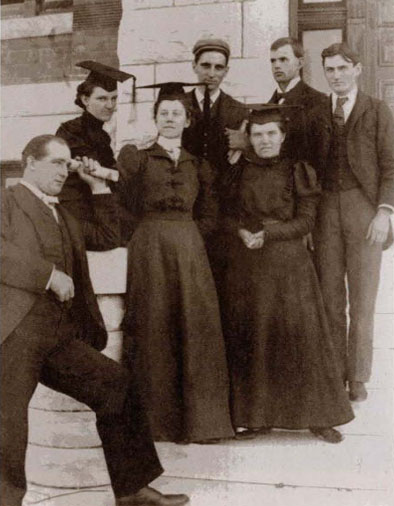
(49, 200)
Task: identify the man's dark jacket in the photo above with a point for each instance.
(226, 112)
(370, 145)
(296, 144)
(26, 271)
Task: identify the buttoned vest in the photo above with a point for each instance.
(339, 176)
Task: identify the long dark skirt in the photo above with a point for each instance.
(173, 333)
(282, 364)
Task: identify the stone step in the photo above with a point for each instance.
(294, 458)
(382, 369)
(66, 468)
(46, 496)
(46, 399)
(229, 493)
(63, 429)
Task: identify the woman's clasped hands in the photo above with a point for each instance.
(251, 241)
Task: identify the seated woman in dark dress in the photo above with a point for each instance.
(281, 359)
(173, 336)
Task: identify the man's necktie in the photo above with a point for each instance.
(280, 96)
(339, 114)
(207, 120)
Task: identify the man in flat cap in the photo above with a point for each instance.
(52, 329)
(207, 136)
(85, 135)
(352, 141)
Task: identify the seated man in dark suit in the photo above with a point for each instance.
(52, 327)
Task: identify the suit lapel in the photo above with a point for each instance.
(359, 108)
(33, 207)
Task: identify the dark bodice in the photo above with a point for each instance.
(275, 194)
(151, 182)
(266, 191)
(85, 137)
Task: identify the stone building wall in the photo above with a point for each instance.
(156, 39)
(154, 42)
(39, 77)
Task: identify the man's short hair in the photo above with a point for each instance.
(204, 45)
(37, 147)
(298, 50)
(341, 49)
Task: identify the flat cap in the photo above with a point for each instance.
(203, 45)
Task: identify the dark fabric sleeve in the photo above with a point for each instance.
(206, 208)
(76, 142)
(307, 192)
(230, 195)
(385, 152)
(20, 267)
(130, 164)
(103, 232)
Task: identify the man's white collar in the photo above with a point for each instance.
(292, 84)
(200, 95)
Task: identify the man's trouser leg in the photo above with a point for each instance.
(363, 267)
(32, 353)
(83, 373)
(20, 372)
(330, 260)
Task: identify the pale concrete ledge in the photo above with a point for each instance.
(37, 26)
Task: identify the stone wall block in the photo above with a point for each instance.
(149, 4)
(145, 74)
(247, 77)
(137, 126)
(166, 35)
(202, 2)
(16, 132)
(264, 21)
(250, 78)
(182, 71)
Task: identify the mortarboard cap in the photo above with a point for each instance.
(266, 113)
(104, 76)
(203, 45)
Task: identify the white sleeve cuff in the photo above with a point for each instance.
(102, 192)
(387, 206)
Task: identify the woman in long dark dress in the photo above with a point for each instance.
(173, 335)
(281, 359)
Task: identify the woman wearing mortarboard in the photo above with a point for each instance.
(97, 96)
(173, 336)
(280, 354)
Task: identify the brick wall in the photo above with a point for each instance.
(36, 59)
(156, 39)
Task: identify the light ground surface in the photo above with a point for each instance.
(281, 469)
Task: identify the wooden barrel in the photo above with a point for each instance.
(65, 463)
